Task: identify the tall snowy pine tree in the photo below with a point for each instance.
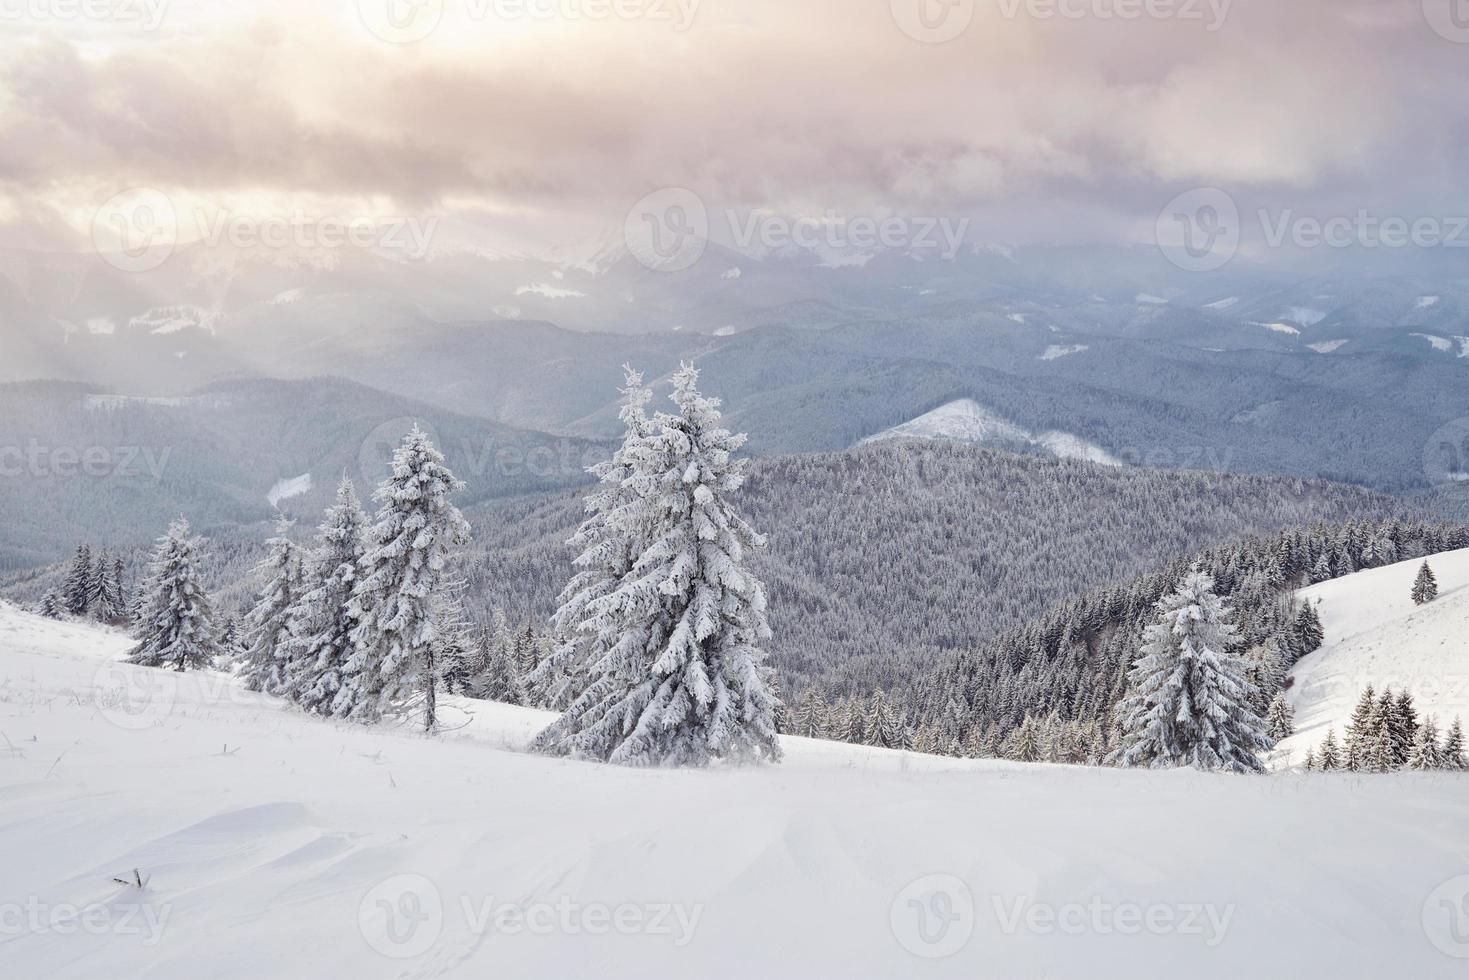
(175, 623)
(679, 678)
(268, 626)
(1188, 702)
(391, 669)
(320, 628)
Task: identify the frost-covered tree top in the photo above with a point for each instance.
(175, 625)
(1188, 701)
(683, 679)
(414, 531)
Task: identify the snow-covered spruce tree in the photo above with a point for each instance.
(1426, 754)
(268, 624)
(608, 542)
(811, 715)
(50, 606)
(1281, 718)
(1308, 630)
(1425, 586)
(76, 592)
(882, 726)
(1453, 747)
(391, 669)
(1359, 729)
(175, 623)
(1331, 759)
(97, 584)
(320, 629)
(1188, 703)
(679, 678)
(108, 605)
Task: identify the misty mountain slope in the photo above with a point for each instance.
(218, 456)
(880, 557)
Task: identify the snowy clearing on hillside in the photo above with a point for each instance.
(1376, 635)
(1327, 346)
(291, 487)
(1062, 350)
(1150, 299)
(1280, 328)
(1438, 343)
(965, 420)
(1304, 315)
(1222, 304)
(275, 845)
(1424, 302)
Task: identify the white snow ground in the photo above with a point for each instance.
(280, 846)
(1376, 635)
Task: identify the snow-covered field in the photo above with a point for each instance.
(1376, 635)
(275, 845)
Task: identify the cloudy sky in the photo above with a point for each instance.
(533, 121)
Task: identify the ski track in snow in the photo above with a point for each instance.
(274, 845)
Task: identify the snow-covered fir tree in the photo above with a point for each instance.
(109, 604)
(1425, 754)
(811, 715)
(416, 528)
(1025, 742)
(1280, 718)
(1309, 763)
(175, 623)
(1189, 702)
(1331, 758)
(50, 606)
(1308, 630)
(76, 592)
(608, 543)
(268, 624)
(1453, 747)
(882, 727)
(1360, 729)
(319, 640)
(679, 678)
(1425, 586)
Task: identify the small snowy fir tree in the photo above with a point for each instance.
(1425, 586)
(608, 543)
(1425, 754)
(268, 626)
(76, 592)
(320, 629)
(1453, 746)
(50, 606)
(679, 678)
(1188, 702)
(1281, 718)
(391, 669)
(1310, 764)
(811, 715)
(1309, 632)
(1025, 741)
(175, 624)
(1359, 729)
(109, 604)
(1331, 759)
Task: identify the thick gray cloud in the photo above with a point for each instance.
(1048, 127)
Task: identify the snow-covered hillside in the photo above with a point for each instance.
(965, 420)
(1376, 635)
(275, 845)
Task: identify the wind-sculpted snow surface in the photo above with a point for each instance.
(274, 844)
